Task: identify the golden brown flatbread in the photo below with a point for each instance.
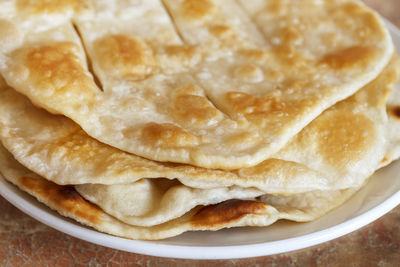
(206, 86)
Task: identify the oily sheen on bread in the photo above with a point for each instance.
(216, 85)
(339, 149)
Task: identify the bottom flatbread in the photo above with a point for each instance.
(231, 213)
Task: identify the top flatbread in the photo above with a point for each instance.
(339, 149)
(218, 86)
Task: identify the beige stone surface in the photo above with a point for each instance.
(26, 242)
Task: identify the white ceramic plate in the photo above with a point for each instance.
(378, 197)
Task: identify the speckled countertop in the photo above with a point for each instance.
(26, 242)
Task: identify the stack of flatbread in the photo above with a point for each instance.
(146, 118)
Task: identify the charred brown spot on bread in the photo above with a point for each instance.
(227, 211)
(198, 9)
(63, 198)
(355, 56)
(167, 135)
(395, 111)
(130, 57)
(69, 193)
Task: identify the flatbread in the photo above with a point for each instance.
(150, 202)
(205, 86)
(231, 213)
(125, 201)
(57, 149)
